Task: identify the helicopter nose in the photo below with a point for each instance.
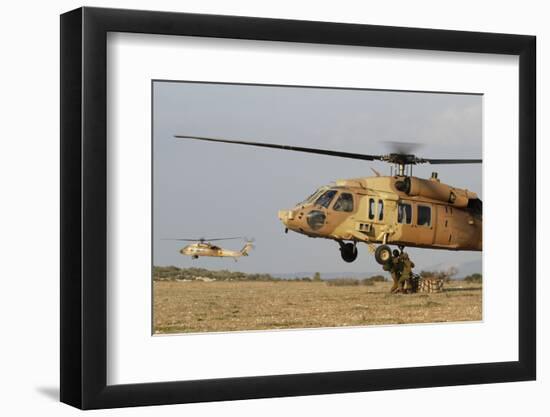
(292, 219)
(286, 216)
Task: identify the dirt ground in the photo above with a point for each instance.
(183, 307)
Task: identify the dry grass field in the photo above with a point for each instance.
(184, 307)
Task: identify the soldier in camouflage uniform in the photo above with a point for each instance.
(394, 267)
(406, 272)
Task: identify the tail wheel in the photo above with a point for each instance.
(382, 254)
(348, 251)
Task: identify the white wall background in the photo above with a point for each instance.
(29, 225)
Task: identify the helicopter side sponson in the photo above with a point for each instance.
(405, 211)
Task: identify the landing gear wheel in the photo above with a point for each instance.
(348, 251)
(382, 254)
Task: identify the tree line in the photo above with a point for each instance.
(173, 273)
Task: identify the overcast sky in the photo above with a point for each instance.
(215, 190)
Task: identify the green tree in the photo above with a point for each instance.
(477, 278)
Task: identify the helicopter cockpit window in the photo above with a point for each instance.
(371, 208)
(313, 196)
(380, 210)
(404, 213)
(325, 198)
(424, 216)
(344, 203)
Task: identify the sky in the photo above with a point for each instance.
(210, 190)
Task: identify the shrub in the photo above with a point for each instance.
(444, 275)
(377, 278)
(338, 282)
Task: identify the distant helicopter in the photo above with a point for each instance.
(203, 247)
(399, 209)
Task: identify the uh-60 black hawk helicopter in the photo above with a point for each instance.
(204, 247)
(399, 209)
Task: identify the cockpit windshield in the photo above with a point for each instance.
(313, 196)
(325, 198)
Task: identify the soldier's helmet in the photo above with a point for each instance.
(395, 252)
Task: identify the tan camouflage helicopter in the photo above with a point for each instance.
(204, 247)
(399, 209)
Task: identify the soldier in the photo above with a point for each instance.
(394, 266)
(406, 272)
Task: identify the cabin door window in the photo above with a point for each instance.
(404, 213)
(372, 209)
(424, 216)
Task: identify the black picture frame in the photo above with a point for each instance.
(84, 207)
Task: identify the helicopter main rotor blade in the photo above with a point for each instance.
(405, 148)
(450, 161)
(288, 148)
(397, 158)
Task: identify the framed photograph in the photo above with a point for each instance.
(260, 208)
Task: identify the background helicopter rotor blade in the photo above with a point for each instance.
(183, 240)
(327, 152)
(225, 238)
(202, 239)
